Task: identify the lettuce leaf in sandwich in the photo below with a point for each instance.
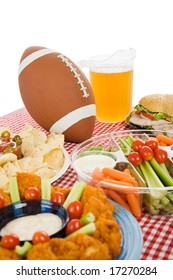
(157, 115)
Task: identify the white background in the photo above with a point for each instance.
(83, 28)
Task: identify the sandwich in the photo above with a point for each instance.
(154, 112)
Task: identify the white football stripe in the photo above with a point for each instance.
(73, 117)
(33, 56)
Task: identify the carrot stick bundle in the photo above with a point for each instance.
(117, 198)
(165, 139)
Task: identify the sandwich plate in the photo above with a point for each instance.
(132, 238)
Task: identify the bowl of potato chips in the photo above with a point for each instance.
(40, 153)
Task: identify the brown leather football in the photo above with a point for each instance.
(56, 93)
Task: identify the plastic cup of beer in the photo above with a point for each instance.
(111, 79)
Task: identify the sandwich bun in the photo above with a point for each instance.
(162, 103)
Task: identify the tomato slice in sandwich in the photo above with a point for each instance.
(148, 116)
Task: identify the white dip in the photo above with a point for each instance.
(89, 163)
(25, 227)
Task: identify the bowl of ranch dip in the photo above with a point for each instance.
(26, 217)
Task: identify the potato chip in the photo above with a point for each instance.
(3, 177)
(28, 148)
(37, 135)
(54, 158)
(55, 140)
(31, 165)
(10, 157)
(11, 169)
(45, 172)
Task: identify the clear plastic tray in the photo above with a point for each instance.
(112, 147)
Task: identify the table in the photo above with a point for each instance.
(157, 230)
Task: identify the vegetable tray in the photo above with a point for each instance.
(153, 188)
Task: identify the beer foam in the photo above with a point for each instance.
(110, 69)
(118, 62)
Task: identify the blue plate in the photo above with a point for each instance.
(132, 238)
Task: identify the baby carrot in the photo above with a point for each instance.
(117, 186)
(117, 198)
(97, 174)
(130, 180)
(163, 138)
(115, 174)
(127, 171)
(161, 143)
(134, 205)
(120, 183)
(135, 183)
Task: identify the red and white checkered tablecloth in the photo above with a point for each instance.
(157, 230)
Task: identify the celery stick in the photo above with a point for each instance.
(75, 193)
(168, 208)
(164, 201)
(170, 196)
(149, 206)
(152, 180)
(163, 166)
(88, 218)
(124, 142)
(87, 229)
(167, 180)
(139, 171)
(45, 189)
(156, 203)
(130, 139)
(14, 191)
(22, 250)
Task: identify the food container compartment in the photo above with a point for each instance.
(155, 200)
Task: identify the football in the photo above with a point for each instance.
(56, 93)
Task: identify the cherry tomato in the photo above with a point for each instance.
(160, 155)
(58, 198)
(40, 237)
(32, 193)
(153, 144)
(146, 153)
(73, 225)
(137, 144)
(2, 201)
(10, 241)
(75, 209)
(135, 158)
